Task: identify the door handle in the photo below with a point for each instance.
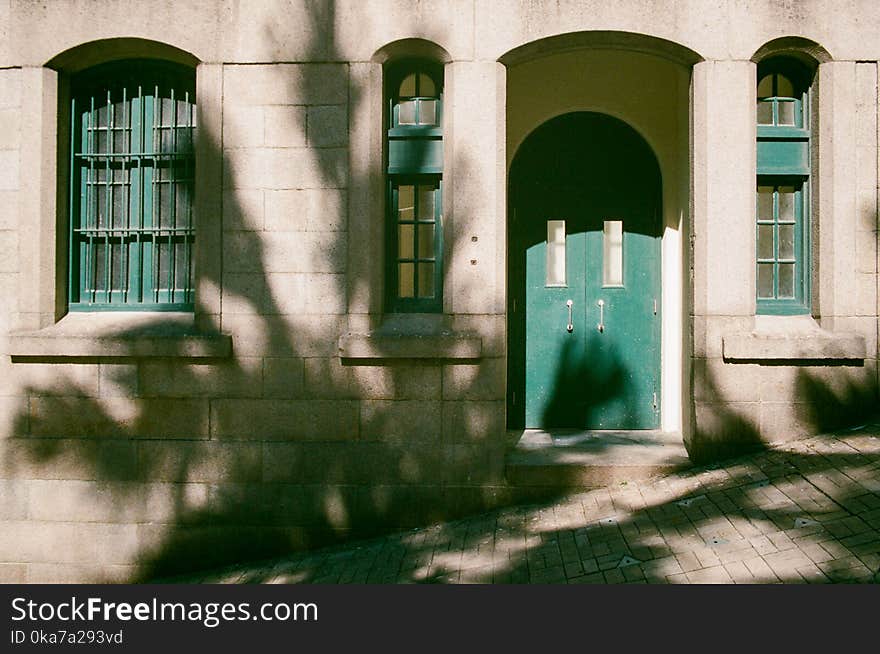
(601, 324)
(569, 326)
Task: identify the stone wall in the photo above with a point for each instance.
(290, 411)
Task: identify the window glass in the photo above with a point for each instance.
(612, 253)
(555, 273)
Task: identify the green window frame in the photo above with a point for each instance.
(782, 246)
(416, 244)
(132, 169)
(414, 220)
(782, 204)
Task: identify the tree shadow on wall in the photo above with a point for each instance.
(199, 463)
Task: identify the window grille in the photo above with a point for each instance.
(132, 175)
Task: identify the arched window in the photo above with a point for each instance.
(414, 272)
(783, 187)
(131, 186)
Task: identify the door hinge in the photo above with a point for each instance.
(654, 401)
(514, 397)
(655, 306)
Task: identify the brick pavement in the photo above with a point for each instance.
(803, 512)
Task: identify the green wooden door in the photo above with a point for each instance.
(584, 276)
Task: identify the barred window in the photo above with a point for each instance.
(132, 174)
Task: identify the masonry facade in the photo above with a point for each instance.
(278, 274)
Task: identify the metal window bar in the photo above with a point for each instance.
(131, 225)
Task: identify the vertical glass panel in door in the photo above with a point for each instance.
(555, 275)
(612, 253)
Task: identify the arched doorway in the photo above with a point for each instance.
(584, 274)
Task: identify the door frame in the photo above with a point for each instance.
(517, 367)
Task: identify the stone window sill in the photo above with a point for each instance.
(411, 336)
(120, 335)
(792, 338)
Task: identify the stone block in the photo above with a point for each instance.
(173, 502)
(401, 421)
(785, 421)
(328, 126)
(482, 381)
(8, 244)
(285, 127)
(48, 542)
(84, 501)
(241, 377)
(286, 168)
(328, 378)
(316, 210)
(13, 573)
(118, 417)
(286, 84)
(467, 421)
(283, 377)
(309, 463)
(474, 464)
(9, 170)
(118, 379)
(287, 210)
(194, 461)
(723, 430)
(717, 381)
(59, 379)
(80, 573)
(243, 126)
(77, 459)
(492, 329)
(311, 420)
(13, 499)
(118, 545)
(8, 210)
(243, 210)
(10, 88)
(9, 135)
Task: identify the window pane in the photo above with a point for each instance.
(426, 241)
(427, 112)
(555, 274)
(407, 86)
(784, 87)
(406, 112)
(765, 280)
(786, 280)
(786, 112)
(405, 275)
(765, 203)
(612, 253)
(786, 241)
(426, 280)
(765, 241)
(426, 203)
(765, 113)
(765, 86)
(426, 86)
(405, 236)
(405, 203)
(786, 204)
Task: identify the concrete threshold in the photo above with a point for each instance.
(592, 459)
